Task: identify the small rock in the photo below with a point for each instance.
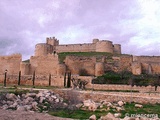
(9, 102)
(92, 107)
(109, 104)
(11, 96)
(79, 105)
(57, 100)
(92, 117)
(117, 115)
(120, 103)
(40, 94)
(53, 96)
(119, 109)
(138, 106)
(30, 95)
(28, 107)
(28, 99)
(109, 116)
(86, 103)
(42, 99)
(5, 107)
(21, 108)
(34, 105)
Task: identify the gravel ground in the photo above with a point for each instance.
(24, 115)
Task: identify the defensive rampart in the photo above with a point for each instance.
(10, 63)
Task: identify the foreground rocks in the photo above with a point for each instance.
(30, 101)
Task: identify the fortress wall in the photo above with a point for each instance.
(76, 48)
(40, 80)
(155, 68)
(125, 62)
(117, 48)
(99, 68)
(79, 64)
(136, 68)
(104, 46)
(147, 59)
(10, 63)
(24, 68)
(44, 64)
(42, 49)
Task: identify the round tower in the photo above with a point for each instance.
(99, 69)
(95, 40)
(117, 48)
(61, 69)
(24, 68)
(42, 49)
(136, 68)
(104, 46)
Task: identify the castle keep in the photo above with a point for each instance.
(46, 61)
(52, 45)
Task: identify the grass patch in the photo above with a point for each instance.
(114, 90)
(147, 109)
(63, 55)
(129, 109)
(77, 114)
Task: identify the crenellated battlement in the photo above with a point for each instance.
(52, 41)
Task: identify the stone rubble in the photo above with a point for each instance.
(29, 101)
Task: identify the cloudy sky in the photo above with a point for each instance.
(135, 24)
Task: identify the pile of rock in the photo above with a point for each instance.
(118, 107)
(30, 101)
(103, 105)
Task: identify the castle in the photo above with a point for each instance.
(52, 46)
(46, 60)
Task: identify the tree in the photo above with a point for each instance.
(78, 83)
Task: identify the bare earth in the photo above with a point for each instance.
(24, 115)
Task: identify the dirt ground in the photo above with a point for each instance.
(24, 115)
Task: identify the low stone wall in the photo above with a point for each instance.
(111, 96)
(122, 87)
(40, 80)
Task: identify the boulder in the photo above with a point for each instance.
(92, 117)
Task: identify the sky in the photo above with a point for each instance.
(132, 23)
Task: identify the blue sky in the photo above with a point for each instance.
(132, 23)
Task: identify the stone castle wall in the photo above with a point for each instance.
(44, 65)
(81, 65)
(147, 59)
(52, 45)
(43, 49)
(75, 48)
(40, 80)
(10, 63)
(147, 64)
